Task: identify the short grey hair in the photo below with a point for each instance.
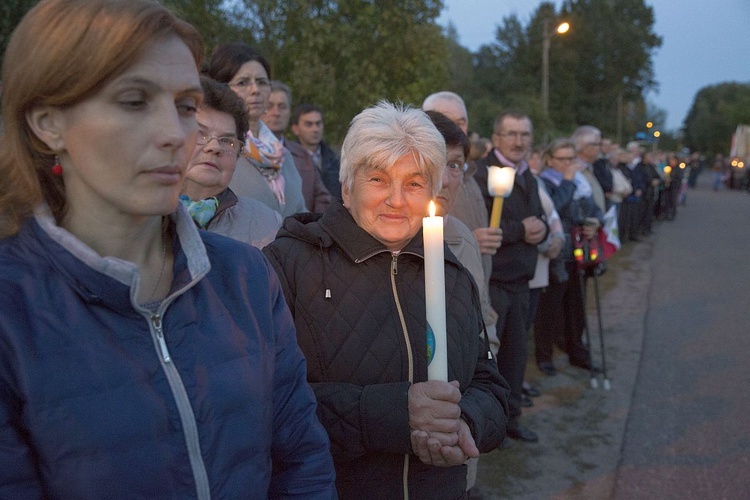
(379, 136)
(584, 135)
(278, 86)
(430, 102)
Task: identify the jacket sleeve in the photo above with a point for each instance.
(302, 463)
(364, 419)
(561, 195)
(484, 404)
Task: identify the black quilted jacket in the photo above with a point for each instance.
(360, 318)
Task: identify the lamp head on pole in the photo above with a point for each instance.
(563, 28)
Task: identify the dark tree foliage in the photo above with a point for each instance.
(345, 55)
(714, 116)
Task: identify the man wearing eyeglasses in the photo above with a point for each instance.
(222, 120)
(524, 226)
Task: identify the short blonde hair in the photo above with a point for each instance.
(379, 136)
(62, 53)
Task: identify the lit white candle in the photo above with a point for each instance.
(434, 287)
(500, 185)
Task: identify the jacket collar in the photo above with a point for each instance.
(110, 279)
(357, 243)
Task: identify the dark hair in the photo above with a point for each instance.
(452, 133)
(303, 109)
(61, 53)
(226, 60)
(219, 96)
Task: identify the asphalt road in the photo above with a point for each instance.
(676, 422)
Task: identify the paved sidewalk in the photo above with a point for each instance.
(626, 443)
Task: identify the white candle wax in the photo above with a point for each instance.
(434, 285)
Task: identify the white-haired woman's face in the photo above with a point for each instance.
(390, 203)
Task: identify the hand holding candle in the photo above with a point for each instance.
(434, 286)
(500, 185)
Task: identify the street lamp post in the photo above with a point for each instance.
(546, 37)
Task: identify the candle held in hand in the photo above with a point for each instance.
(500, 185)
(434, 285)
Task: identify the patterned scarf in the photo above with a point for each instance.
(201, 210)
(266, 153)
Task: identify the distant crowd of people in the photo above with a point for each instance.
(196, 305)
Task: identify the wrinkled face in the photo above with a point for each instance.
(213, 163)
(513, 138)
(124, 149)
(278, 113)
(309, 129)
(251, 83)
(452, 175)
(389, 204)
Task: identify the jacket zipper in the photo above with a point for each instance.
(409, 355)
(156, 323)
(187, 417)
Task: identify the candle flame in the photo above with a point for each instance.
(432, 208)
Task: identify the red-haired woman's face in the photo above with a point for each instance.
(125, 149)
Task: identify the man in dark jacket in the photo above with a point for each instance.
(307, 126)
(514, 263)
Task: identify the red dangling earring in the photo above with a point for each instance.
(57, 167)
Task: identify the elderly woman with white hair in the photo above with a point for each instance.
(354, 280)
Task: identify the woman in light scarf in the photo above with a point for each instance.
(266, 172)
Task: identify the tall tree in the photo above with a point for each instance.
(345, 55)
(606, 54)
(714, 116)
(614, 43)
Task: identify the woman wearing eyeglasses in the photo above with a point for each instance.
(266, 171)
(212, 204)
(560, 313)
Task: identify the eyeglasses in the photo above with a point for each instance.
(597, 144)
(227, 144)
(524, 136)
(242, 83)
(455, 169)
(564, 159)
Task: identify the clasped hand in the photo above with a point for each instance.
(439, 436)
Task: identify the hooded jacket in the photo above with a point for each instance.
(359, 310)
(103, 398)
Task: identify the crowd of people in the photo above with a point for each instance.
(196, 305)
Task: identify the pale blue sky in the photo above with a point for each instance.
(704, 42)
